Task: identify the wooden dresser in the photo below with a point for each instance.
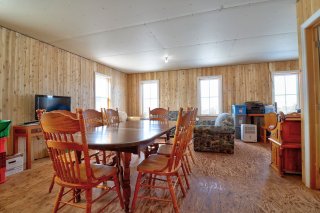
(286, 145)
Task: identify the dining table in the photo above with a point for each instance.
(125, 139)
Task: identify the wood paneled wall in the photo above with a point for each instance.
(29, 67)
(305, 9)
(240, 83)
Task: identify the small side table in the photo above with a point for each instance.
(28, 131)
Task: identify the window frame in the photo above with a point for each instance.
(289, 72)
(109, 89)
(220, 97)
(141, 94)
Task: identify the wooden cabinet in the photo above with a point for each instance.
(28, 139)
(286, 145)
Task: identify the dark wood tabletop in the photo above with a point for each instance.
(130, 136)
(127, 138)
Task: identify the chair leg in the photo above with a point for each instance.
(173, 196)
(191, 154)
(89, 200)
(104, 158)
(97, 158)
(185, 164)
(150, 179)
(52, 183)
(58, 199)
(188, 163)
(117, 184)
(154, 180)
(181, 185)
(136, 191)
(185, 175)
(263, 135)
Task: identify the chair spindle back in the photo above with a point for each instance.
(183, 135)
(66, 140)
(159, 114)
(93, 118)
(112, 117)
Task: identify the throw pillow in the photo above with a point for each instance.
(224, 119)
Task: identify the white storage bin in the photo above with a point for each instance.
(249, 132)
(14, 164)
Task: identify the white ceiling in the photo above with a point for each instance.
(135, 36)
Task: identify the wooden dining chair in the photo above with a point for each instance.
(270, 122)
(166, 148)
(66, 140)
(160, 115)
(111, 117)
(169, 167)
(189, 150)
(92, 153)
(94, 118)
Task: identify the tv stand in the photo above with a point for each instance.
(31, 122)
(28, 131)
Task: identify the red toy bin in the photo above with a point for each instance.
(2, 167)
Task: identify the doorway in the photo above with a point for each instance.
(311, 100)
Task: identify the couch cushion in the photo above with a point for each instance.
(224, 119)
(205, 123)
(211, 130)
(173, 115)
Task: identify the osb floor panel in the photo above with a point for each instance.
(243, 182)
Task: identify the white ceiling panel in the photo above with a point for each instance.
(70, 18)
(155, 59)
(134, 36)
(239, 22)
(273, 43)
(123, 41)
(234, 3)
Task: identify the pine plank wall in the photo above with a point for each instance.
(29, 67)
(305, 9)
(240, 83)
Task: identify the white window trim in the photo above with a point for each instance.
(219, 77)
(94, 88)
(274, 73)
(140, 94)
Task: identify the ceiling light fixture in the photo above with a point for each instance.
(166, 59)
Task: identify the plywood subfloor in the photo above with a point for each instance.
(243, 182)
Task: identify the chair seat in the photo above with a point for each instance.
(99, 171)
(165, 149)
(153, 163)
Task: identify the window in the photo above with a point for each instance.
(286, 91)
(102, 91)
(149, 96)
(209, 95)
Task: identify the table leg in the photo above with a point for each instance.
(15, 143)
(126, 188)
(168, 136)
(77, 199)
(28, 150)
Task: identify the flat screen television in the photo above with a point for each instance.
(50, 103)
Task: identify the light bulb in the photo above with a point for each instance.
(166, 59)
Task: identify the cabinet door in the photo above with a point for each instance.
(275, 158)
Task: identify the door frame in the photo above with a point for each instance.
(310, 115)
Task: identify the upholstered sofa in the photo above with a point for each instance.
(215, 136)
